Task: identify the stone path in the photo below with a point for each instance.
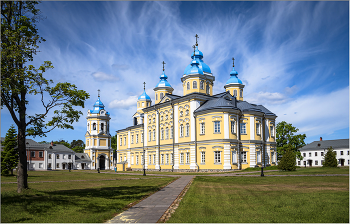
(152, 208)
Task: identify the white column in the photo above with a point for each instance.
(129, 159)
(226, 127)
(157, 166)
(45, 160)
(176, 123)
(193, 106)
(252, 155)
(157, 160)
(129, 139)
(146, 159)
(266, 130)
(227, 152)
(238, 129)
(192, 157)
(267, 155)
(176, 157)
(252, 129)
(145, 126)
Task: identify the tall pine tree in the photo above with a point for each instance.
(330, 159)
(9, 157)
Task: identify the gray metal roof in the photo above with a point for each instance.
(82, 157)
(55, 148)
(325, 144)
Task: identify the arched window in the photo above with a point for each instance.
(194, 84)
(156, 96)
(154, 135)
(150, 136)
(102, 126)
(167, 133)
(181, 130)
(181, 113)
(94, 126)
(241, 93)
(187, 129)
(162, 134)
(235, 93)
(208, 89)
(188, 85)
(161, 96)
(202, 85)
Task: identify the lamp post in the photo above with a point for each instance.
(27, 148)
(144, 156)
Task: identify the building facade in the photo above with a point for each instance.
(199, 130)
(98, 138)
(313, 153)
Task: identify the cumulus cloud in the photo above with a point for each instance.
(101, 76)
(266, 98)
(123, 104)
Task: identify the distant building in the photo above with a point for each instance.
(82, 161)
(314, 152)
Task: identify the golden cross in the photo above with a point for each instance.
(196, 39)
(163, 65)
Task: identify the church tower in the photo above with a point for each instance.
(234, 85)
(97, 137)
(162, 87)
(197, 76)
(142, 102)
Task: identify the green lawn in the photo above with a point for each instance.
(265, 200)
(313, 170)
(69, 202)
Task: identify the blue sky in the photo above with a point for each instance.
(293, 57)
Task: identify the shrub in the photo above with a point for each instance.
(288, 161)
(330, 159)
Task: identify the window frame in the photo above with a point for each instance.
(202, 127)
(41, 154)
(188, 86)
(217, 157)
(217, 128)
(233, 127)
(203, 157)
(243, 127)
(194, 85)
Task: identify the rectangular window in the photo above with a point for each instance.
(150, 159)
(233, 127)
(57, 156)
(162, 158)
(321, 153)
(69, 156)
(272, 131)
(154, 159)
(257, 128)
(181, 130)
(258, 157)
(49, 156)
(154, 135)
(341, 152)
(162, 134)
(182, 158)
(172, 133)
(132, 160)
(141, 137)
(137, 138)
(243, 129)
(202, 128)
(187, 157)
(187, 130)
(348, 162)
(299, 163)
(217, 157)
(167, 133)
(304, 154)
(348, 152)
(57, 165)
(32, 154)
(202, 157)
(137, 160)
(49, 166)
(315, 153)
(316, 162)
(171, 158)
(124, 140)
(167, 159)
(309, 154)
(244, 157)
(132, 139)
(149, 136)
(216, 126)
(234, 157)
(121, 159)
(41, 154)
(121, 141)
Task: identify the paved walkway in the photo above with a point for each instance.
(152, 208)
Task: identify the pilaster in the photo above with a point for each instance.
(227, 151)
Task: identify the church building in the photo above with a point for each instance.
(197, 131)
(98, 138)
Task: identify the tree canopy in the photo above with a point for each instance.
(286, 138)
(19, 42)
(330, 158)
(288, 162)
(9, 157)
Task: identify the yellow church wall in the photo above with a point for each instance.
(165, 114)
(258, 136)
(209, 119)
(198, 89)
(158, 98)
(245, 120)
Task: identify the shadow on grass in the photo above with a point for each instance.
(92, 200)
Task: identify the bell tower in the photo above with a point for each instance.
(162, 87)
(234, 85)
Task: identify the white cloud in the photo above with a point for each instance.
(266, 98)
(101, 76)
(123, 104)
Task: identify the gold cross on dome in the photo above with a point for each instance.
(233, 59)
(196, 39)
(144, 85)
(163, 64)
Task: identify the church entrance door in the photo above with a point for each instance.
(102, 162)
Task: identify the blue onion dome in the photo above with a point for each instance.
(234, 78)
(198, 55)
(163, 81)
(144, 96)
(195, 69)
(97, 107)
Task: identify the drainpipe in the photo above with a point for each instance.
(195, 141)
(172, 167)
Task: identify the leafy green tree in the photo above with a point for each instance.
(286, 138)
(114, 143)
(9, 157)
(19, 43)
(62, 142)
(76, 143)
(288, 161)
(330, 158)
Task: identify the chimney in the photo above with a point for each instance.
(320, 138)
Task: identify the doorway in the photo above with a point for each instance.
(342, 161)
(310, 163)
(102, 162)
(82, 166)
(63, 166)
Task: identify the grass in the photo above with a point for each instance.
(259, 168)
(175, 173)
(69, 202)
(265, 200)
(313, 170)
